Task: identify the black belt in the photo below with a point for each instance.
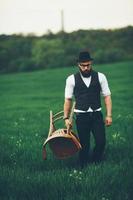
(87, 113)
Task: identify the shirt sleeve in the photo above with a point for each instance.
(69, 88)
(105, 91)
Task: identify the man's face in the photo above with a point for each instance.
(85, 68)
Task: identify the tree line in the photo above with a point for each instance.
(27, 53)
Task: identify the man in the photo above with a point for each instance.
(86, 86)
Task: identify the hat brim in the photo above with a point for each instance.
(85, 60)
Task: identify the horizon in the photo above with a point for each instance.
(54, 33)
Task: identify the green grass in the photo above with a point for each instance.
(25, 101)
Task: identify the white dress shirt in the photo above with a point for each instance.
(70, 84)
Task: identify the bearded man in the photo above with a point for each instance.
(87, 86)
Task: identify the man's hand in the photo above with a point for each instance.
(68, 124)
(108, 120)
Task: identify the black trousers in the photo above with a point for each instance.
(87, 123)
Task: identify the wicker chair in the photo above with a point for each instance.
(63, 142)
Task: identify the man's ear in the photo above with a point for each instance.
(78, 64)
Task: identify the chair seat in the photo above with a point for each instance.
(62, 144)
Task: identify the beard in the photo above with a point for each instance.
(86, 73)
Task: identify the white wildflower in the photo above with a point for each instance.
(75, 171)
(15, 123)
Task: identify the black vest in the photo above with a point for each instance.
(86, 97)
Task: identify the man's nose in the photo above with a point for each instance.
(86, 68)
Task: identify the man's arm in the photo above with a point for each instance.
(108, 104)
(67, 109)
(70, 83)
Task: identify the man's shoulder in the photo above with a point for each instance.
(101, 75)
(70, 78)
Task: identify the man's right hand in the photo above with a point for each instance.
(68, 124)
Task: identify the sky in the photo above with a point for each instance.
(39, 16)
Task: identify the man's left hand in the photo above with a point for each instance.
(108, 120)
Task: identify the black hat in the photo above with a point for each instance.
(84, 56)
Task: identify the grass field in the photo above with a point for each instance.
(25, 101)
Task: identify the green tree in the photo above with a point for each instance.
(48, 53)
